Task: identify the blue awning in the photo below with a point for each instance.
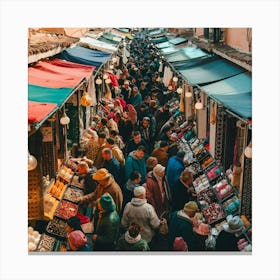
(185, 54)
(159, 40)
(185, 64)
(209, 72)
(234, 93)
(163, 45)
(178, 40)
(84, 56)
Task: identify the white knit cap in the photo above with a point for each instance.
(159, 168)
(139, 191)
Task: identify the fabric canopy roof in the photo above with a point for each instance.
(84, 56)
(107, 41)
(97, 45)
(234, 93)
(38, 111)
(185, 53)
(212, 71)
(58, 74)
(112, 36)
(159, 40)
(185, 64)
(178, 40)
(164, 45)
(48, 95)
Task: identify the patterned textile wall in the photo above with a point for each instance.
(246, 198)
(219, 139)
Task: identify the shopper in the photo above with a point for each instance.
(131, 240)
(180, 224)
(136, 161)
(141, 212)
(107, 229)
(161, 153)
(202, 232)
(151, 162)
(135, 142)
(158, 193)
(180, 244)
(175, 166)
(116, 151)
(183, 191)
(131, 184)
(85, 177)
(228, 238)
(106, 183)
(112, 164)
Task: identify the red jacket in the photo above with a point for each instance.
(153, 194)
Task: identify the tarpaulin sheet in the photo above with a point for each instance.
(164, 45)
(49, 95)
(234, 93)
(212, 71)
(178, 40)
(38, 111)
(185, 64)
(107, 41)
(159, 40)
(84, 56)
(185, 53)
(58, 74)
(114, 37)
(97, 45)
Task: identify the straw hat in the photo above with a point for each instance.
(101, 174)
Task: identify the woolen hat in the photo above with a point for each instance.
(159, 168)
(107, 202)
(101, 174)
(234, 224)
(139, 191)
(77, 239)
(180, 244)
(191, 206)
(203, 229)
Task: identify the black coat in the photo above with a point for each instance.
(180, 196)
(227, 241)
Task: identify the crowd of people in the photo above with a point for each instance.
(136, 183)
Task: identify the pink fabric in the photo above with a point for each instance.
(58, 74)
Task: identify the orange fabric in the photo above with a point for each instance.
(37, 111)
(58, 74)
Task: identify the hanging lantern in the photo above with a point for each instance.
(105, 76)
(248, 151)
(198, 105)
(175, 79)
(179, 90)
(86, 100)
(213, 115)
(32, 162)
(98, 81)
(114, 60)
(188, 94)
(64, 119)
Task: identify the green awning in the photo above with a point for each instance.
(48, 95)
(234, 93)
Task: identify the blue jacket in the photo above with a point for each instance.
(174, 168)
(114, 167)
(133, 163)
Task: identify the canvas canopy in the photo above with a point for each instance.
(234, 93)
(38, 111)
(48, 95)
(85, 56)
(58, 74)
(97, 45)
(211, 71)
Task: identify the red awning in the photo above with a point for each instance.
(37, 111)
(58, 74)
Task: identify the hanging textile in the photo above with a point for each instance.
(92, 91)
(160, 67)
(213, 114)
(167, 76)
